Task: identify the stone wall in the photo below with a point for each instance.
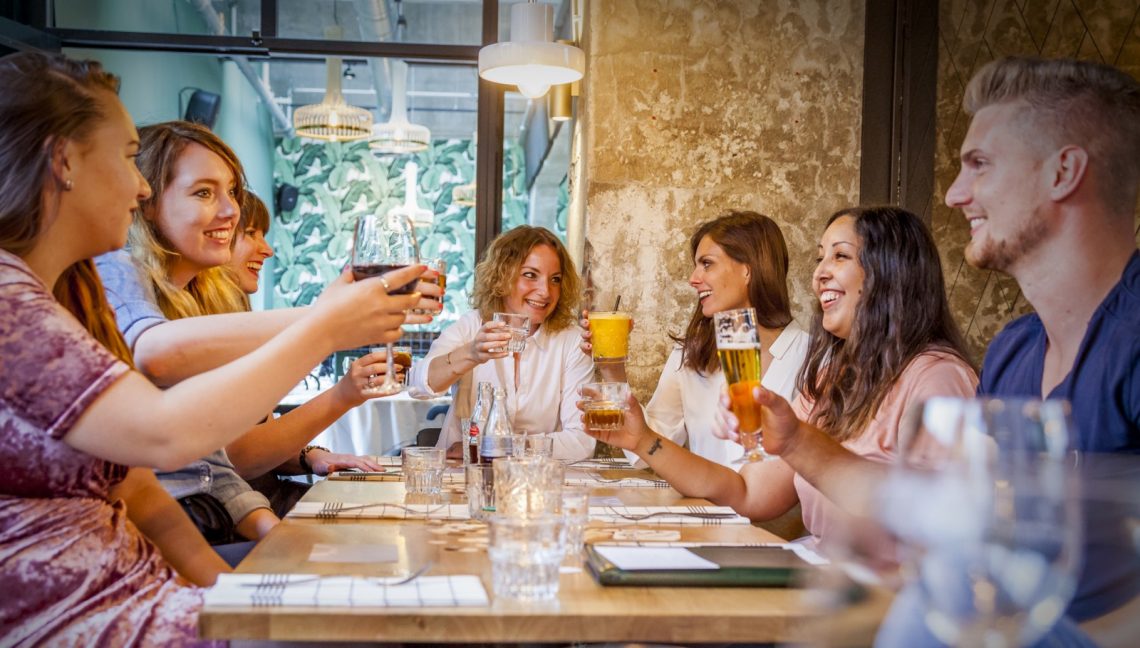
(693, 107)
(972, 33)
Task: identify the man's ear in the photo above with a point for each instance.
(1070, 165)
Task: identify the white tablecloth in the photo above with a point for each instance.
(380, 426)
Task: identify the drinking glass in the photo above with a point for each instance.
(525, 555)
(423, 470)
(738, 347)
(984, 499)
(605, 404)
(528, 486)
(480, 488)
(609, 335)
(519, 328)
(575, 513)
(383, 243)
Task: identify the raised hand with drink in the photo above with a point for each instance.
(384, 243)
(738, 347)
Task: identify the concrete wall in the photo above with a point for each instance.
(691, 108)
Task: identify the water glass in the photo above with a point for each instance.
(575, 511)
(605, 404)
(528, 486)
(423, 470)
(984, 501)
(525, 556)
(532, 445)
(519, 328)
(480, 490)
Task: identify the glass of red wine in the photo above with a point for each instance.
(383, 243)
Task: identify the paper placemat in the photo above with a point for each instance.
(629, 482)
(672, 515)
(363, 511)
(305, 590)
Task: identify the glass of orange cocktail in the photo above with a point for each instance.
(609, 334)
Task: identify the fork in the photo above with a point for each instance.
(275, 584)
(694, 511)
(330, 510)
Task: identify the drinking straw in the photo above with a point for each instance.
(617, 302)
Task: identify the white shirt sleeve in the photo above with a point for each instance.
(572, 442)
(451, 338)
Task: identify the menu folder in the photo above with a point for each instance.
(756, 566)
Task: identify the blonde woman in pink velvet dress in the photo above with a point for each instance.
(93, 552)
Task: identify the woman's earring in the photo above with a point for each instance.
(68, 185)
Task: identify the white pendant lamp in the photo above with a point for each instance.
(398, 136)
(530, 60)
(411, 209)
(332, 119)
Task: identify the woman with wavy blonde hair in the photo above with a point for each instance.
(526, 271)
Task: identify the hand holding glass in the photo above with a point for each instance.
(383, 243)
(738, 347)
(605, 405)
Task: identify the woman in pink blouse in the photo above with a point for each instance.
(93, 552)
(882, 339)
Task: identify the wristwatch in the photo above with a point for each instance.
(301, 459)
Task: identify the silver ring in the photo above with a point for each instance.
(387, 288)
(369, 384)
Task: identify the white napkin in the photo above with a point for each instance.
(274, 590)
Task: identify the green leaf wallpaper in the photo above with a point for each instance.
(337, 182)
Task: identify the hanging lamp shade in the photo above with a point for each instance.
(464, 195)
(398, 136)
(411, 209)
(530, 60)
(332, 119)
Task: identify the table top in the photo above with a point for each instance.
(584, 610)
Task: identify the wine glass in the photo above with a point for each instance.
(738, 347)
(383, 243)
(983, 499)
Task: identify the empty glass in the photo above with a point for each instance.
(525, 555)
(527, 486)
(480, 490)
(532, 445)
(519, 328)
(575, 512)
(423, 470)
(605, 404)
(984, 500)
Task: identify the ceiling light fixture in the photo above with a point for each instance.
(398, 136)
(530, 60)
(332, 119)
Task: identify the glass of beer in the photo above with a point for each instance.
(605, 404)
(402, 357)
(609, 334)
(738, 347)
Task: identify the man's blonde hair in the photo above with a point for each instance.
(496, 273)
(1069, 102)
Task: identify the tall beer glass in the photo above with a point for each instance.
(738, 347)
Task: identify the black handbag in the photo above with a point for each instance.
(211, 518)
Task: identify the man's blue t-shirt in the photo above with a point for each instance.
(1103, 388)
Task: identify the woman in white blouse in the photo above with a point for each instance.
(740, 260)
(526, 271)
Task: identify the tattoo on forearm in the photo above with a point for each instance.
(655, 447)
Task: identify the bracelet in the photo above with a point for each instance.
(301, 459)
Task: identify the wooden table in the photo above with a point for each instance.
(583, 612)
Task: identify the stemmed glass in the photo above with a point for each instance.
(384, 243)
(738, 347)
(984, 501)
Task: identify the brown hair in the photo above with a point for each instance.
(497, 271)
(48, 98)
(1091, 105)
(159, 149)
(254, 214)
(756, 241)
(903, 311)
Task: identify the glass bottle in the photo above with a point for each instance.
(497, 431)
(485, 391)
